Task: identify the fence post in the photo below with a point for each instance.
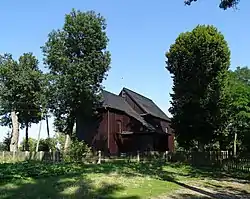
(166, 156)
(53, 156)
(57, 156)
(138, 156)
(14, 154)
(26, 155)
(99, 157)
(41, 154)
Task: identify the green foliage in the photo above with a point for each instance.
(77, 58)
(21, 90)
(224, 4)
(59, 138)
(35, 169)
(77, 152)
(46, 144)
(31, 142)
(5, 146)
(198, 61)
(239, 108)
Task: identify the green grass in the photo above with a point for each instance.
(120, 180)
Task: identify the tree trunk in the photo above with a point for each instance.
(235, 144)
(69, 131)
(27, 137)
(47, 123)
(67, 142)
(201, 146)
(15, 132)
(38, 137)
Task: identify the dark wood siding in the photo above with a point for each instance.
(117, 142)
(166, 124)
(103, 133)
(94, 131)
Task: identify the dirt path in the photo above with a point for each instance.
(219, 189)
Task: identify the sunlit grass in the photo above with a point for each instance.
(87, 186)
(31, 180)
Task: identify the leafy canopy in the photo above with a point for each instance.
(239, 106)
(198, 61)
(77, 58)
(21, 89)
(224, 4)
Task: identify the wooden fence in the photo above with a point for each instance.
(214, 158)
(7, 156)
(237, 164)
(221, 159)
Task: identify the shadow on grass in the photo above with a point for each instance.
(76, 185)
(212, 192)
(156, 169)
(67, 186)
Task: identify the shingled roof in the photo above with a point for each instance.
(146, 104)
(114, 101)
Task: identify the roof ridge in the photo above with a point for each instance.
(109, 92)
(137, 93)
(145, 104)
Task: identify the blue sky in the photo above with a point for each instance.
(140, 33)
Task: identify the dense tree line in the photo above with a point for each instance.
(210, 103)
(77, 60)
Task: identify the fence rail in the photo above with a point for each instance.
(7, 156)
(214, 158)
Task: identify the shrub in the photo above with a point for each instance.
(46, 145)
(78, 151)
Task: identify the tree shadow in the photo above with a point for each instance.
(212, 192)
(67, 186)
(156, 169)
(77, 185)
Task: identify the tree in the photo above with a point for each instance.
(239, 109)
(198, 61)
(224, 4)
(8, 97)
(77, 58)
(31, 79)
(5, 145)
(21, 91)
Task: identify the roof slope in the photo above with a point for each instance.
(147, 104)
(116, 102)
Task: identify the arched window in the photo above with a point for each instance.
(119, 126)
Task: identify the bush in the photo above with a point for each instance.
(77, 152)
(36, 169)
(46, 145)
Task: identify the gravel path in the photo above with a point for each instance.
(218, 189)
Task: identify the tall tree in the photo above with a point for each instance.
(224, 4)
(78, 60)
(31, 80)
(198, 61)
(8, 99)
(21, 89)
(239, 109)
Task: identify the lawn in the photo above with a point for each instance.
(116, 180)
